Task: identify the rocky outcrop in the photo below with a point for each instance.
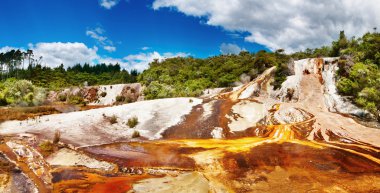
(325, 68)
(334, 101)
(290, 88)
(256, 87)
(101, 95)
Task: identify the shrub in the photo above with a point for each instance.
(75, 99)
(57, 137)
(120, 98)
(132, 122)
(158, 90)
(103, 94)
(46, 146)
(21, 92)
(128, 99)
(346, 86)
(135, 134)
(62, 97)
(190, 100)
(113, 119)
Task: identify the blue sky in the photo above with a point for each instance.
(128, 27)
(134, 32)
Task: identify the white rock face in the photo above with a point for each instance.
(247, 114)
(92, 127)
(301, 67)
(32, 158)
(211, 92)
(217, 133)
(248, 92)
(291, 115)
(291, 83)
(208, 109)
(254, 88)
(67, 157)
(112, 92)
(333, 100)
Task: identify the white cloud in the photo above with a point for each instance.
(70, 53)
(57, 53)
(108, 4)
(110, 48)
(288, 24)
(145, 48)
(140, 61)
(98, 35)
(230, 49)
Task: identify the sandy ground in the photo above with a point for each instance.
(93, 126)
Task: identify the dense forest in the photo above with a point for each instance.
(13, 63)
(358, 74)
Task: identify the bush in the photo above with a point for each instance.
(57, 137)
(347, 87)
(21, 93)
(282, 71)
(75, 99)
(120, 98)
(62, 97)
(158, 90)
(113, 119)
(103, 94)
(46, 146)
(135, 134)
(132, 122)
(362, 83)
(128, 99)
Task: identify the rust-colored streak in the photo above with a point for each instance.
(204, 126)
(86, 181)
(41, 186)
(24, 113)
(270, 157)
(148, 154)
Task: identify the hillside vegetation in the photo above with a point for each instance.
(358, 76)
(359, 73)
(178, 77)
(23, 65)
